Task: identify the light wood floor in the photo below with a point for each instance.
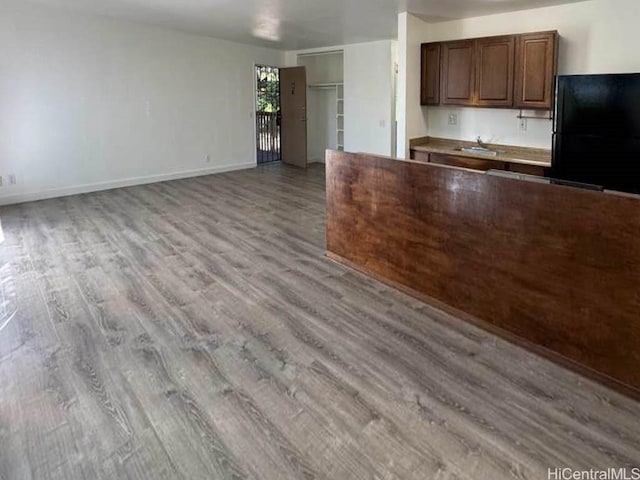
(194, 330)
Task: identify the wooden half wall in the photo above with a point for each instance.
(554, 268)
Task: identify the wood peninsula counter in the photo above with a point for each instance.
(554, 268)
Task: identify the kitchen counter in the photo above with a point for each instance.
(553, 268)
(506, 153)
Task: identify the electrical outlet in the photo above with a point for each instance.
(12, 179)
(453, 119)
(523, 124)
(207, 159)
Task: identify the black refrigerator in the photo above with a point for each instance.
(596, 137)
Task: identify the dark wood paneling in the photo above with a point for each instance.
(430, 74)
(536, 66)
(554, 266)
(495, 59)
(466, 162)
(458, 73)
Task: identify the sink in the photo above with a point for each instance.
(478, 150)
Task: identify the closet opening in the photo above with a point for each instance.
(326, 102)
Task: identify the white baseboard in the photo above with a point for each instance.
(127, 182)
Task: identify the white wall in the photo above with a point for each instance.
(90, 102)
(369, 97)
(324, 68)
(597, 36)
(412, 118)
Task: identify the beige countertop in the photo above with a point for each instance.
(506, 153)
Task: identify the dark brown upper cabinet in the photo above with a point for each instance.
(536, 67)
(510, 71)
(495, 59)
(430, 74)
(457, 80)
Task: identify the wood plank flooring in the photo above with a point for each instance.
(194, 330)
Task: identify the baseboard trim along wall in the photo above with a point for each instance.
(127, 182)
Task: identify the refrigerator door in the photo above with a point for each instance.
(606, 105)
(613, 163)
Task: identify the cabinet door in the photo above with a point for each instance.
(466, 162)
(527, 169)
(495, 59)
(458, 73)
(420, 156)
(536, 66)
(430, 74)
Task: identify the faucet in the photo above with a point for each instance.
(480, 142)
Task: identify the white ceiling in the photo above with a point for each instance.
(292, 24)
